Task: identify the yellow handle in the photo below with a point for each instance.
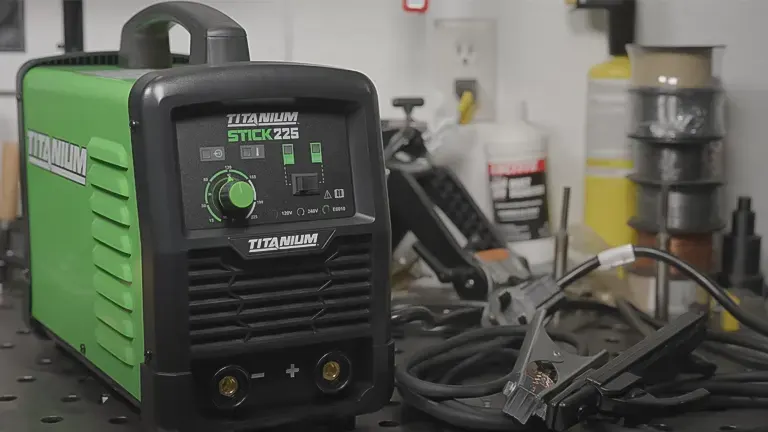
(467, 107)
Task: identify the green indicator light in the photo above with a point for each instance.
(288, 157)
(316, 150)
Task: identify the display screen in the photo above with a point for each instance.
(259, 166)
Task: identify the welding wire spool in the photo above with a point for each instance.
(695, 249)
(692, 209)
(672, 163)
(676, 115)
(674, 67)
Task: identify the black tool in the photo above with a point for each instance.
(417, 191)
(563, 389)
(741, 251)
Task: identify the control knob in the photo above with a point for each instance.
(236, 197)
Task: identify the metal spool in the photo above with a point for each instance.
(677, 115)
(691, 209)
(658, 162)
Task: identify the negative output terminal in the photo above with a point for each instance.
(230, 387)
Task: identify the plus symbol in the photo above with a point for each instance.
(292, 370)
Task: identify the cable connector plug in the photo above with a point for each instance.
(517, 305)
(616, 257)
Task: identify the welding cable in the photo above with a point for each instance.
(738, 348)
(468, 316)
(724, 390)
(626, 254)
(736, 377)
(717, 293)
(430, 380)
(741, 349)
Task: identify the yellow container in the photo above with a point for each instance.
(609, 195)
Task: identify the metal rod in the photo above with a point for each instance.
(662, 269)
(561, 237)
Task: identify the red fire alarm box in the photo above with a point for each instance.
(419, 6)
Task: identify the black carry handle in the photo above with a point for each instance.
(215, 38)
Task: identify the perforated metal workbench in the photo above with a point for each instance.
(41, 389)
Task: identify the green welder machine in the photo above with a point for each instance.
(209, 235)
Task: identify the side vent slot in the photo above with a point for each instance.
(108, 182)
(236, 302)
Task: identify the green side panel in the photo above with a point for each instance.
(86, 255)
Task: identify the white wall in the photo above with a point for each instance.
(372, 36)
(545, 52)
(43, 35)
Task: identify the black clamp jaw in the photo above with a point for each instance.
(563, 389)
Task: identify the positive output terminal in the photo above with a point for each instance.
(230, 387)
(333, 372)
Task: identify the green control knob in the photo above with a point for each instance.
(236, 196)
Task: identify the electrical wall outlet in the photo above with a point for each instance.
(465, 51)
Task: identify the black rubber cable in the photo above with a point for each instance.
(468, 350)
(718, 293)
(739, 349)
(733, 389)
(472, 349)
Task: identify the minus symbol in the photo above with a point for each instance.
(257, 375)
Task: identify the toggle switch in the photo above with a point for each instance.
(305, 184)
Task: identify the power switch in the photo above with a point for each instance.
(305, 184)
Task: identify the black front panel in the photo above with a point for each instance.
(261, 293)
(263, 164)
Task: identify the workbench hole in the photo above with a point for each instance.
(398, 351)
(612, 339)
(389, 423)
(70, 398)
(26, 379)
(393, 403)
(52, 419)
(23, 331)
(662, 427)
(8, 398)
(45, 361)
(118, 420)
(728, 428)
(6, 345)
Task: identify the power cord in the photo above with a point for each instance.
(431, 380)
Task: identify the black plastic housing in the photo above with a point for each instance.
(171, 374)
(170, 387)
